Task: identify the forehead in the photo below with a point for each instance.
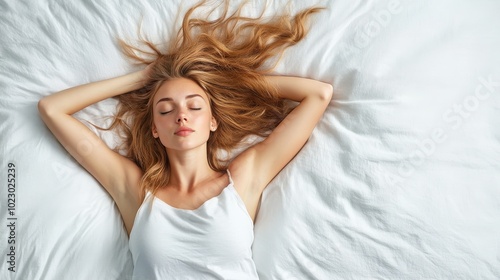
(179, 88)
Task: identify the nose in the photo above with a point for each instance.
(181, 118)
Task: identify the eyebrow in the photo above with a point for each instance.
(187, 97)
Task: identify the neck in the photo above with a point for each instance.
(189, 168)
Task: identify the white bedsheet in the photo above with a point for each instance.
(400, 179)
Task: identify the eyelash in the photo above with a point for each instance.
(164, 113)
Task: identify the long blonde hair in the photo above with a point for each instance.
(227, 58)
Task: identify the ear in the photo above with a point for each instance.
(154, 132)
(213, 124)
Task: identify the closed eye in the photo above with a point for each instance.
(164, 113)
(197, 109)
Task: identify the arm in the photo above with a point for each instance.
(117, 174)
(271, 155)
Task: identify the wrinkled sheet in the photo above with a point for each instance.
(399, 180)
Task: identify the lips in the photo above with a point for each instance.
(183, 131)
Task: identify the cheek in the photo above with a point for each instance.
(209, 122)
(161, 124)
(156, 123)
(202, 118)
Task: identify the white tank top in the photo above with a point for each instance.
(211, 242)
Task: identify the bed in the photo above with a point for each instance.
(399, 180)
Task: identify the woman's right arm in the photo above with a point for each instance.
(117, 174)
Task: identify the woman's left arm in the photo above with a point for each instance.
(270, 156)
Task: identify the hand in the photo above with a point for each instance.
(143, 75)
(147, 71)
(148, 68)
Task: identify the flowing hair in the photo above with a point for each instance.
(228, 58)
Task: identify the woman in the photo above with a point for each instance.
(190, 214)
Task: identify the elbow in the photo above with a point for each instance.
(326, 93)
(44, 108)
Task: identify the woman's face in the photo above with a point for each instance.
(182, 118)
